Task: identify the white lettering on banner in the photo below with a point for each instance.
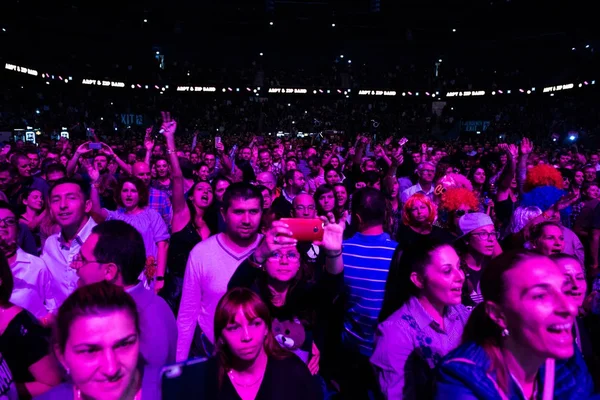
(196, 89)
(558, 87)
(103, 83)
(376, 92)
(288, 90)
(23, 70)
(466, 93)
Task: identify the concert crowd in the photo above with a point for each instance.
(177, 265)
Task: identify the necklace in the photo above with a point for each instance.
(245, 385)
(138, 395)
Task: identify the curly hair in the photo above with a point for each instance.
(455, 197)
(410, 203)
(543, 175)
(455, 181)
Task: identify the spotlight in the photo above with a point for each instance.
(144, 21)
(271, 23)
(341, 56)
(453, 30)
(333, 25)
(440, 60)
(261, 54)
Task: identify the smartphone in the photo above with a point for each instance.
(193, 379)
(305, 230)
(95, 146)
(217, 140)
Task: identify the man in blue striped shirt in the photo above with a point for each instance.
(367, 256)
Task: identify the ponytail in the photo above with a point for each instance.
(482, 330)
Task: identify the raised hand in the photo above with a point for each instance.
(526, 146)
(513, 150)
(276, 238)
(220, 147)
(106, 149)
(93, 172)
(83, 149)
(148, 142)
(169, 125)
(333, 233)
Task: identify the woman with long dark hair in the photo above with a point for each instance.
(514, 336)
(422, 318)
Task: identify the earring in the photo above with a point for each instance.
(505, 332)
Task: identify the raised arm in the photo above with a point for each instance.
(98, 213)
(181, 212)
(81, 150)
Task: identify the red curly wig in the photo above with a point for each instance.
(453, 198)
(543, 175)
(410, 203)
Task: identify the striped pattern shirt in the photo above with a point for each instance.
(366, 265)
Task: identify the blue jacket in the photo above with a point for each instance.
(463, 375)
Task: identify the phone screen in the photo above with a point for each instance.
(94, 146)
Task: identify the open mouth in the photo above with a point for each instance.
(561, 331)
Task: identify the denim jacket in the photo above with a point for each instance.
(464, 374)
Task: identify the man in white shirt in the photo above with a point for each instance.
(70, 205)
(211, 265)
(426, 173)
(31, 278)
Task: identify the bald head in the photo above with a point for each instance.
(142, 170)
(303, 206)
(266, 179)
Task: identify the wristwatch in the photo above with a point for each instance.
(159, 278)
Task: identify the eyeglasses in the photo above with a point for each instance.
(291, 256)
(303, 208)
(430, 171)
(8, 221)
(78, 262)
(486, 235)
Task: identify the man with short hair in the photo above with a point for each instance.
(34, 160)
(426, 173)
(367, 256)
(70, 206)
(294, 185)
(211, 265)
(54, 172)
(115, 252)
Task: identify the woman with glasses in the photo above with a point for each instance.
(478, 244)
(276, 272)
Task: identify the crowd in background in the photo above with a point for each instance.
(446, 269)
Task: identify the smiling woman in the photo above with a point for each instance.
(97, 342)
(524, 323)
